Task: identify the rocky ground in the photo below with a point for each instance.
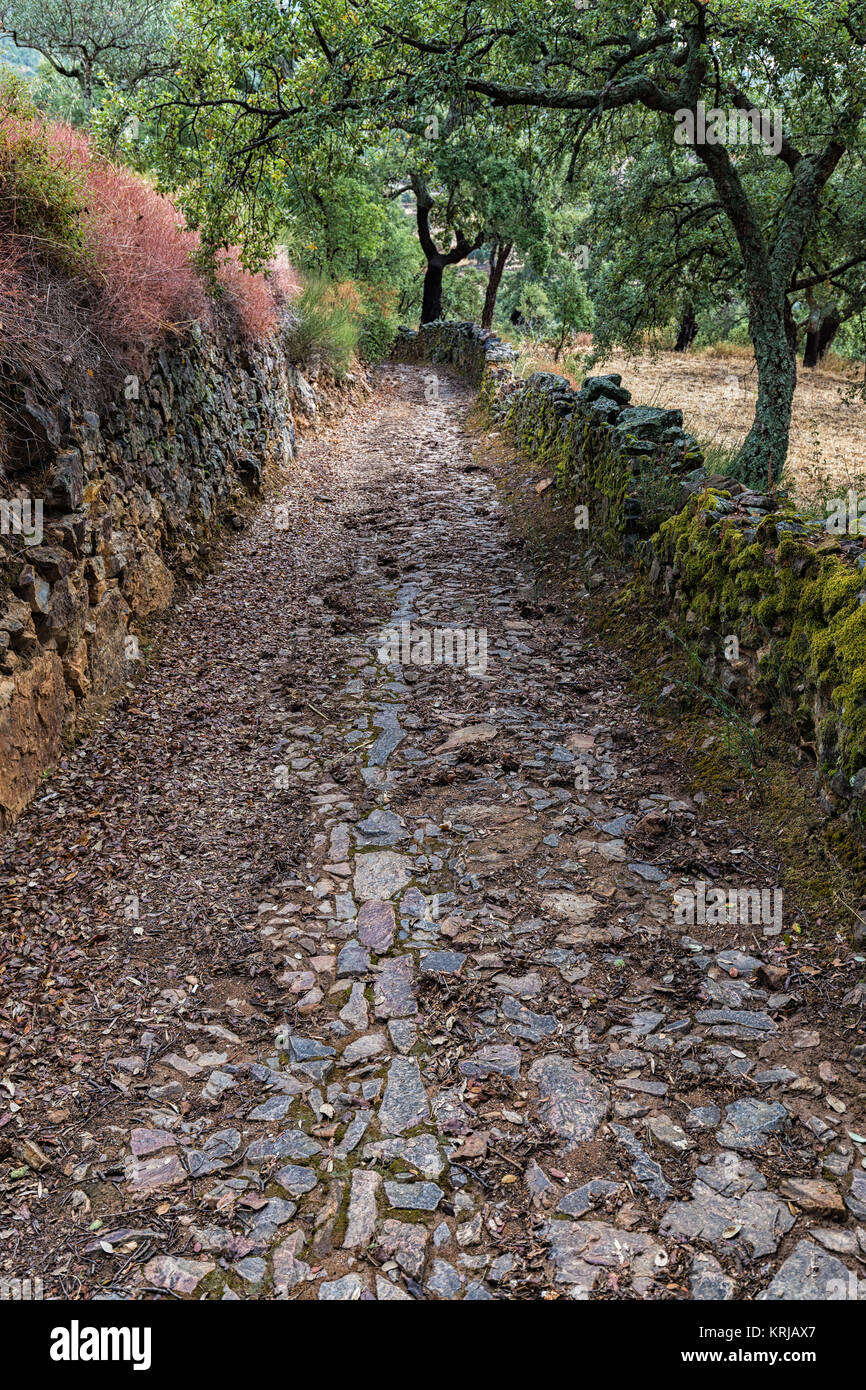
(324, 976)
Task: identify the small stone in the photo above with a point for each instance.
(362, 1208)
(495, 1059)
(442, 963)
(177, 1275)
(573, 1102)
(813, 1194)
(362, 1049)
(414, 1196)
(345, 1290)
(405, 1102)
(708, 1281)
(376, 925)
(354, 959)
(445, 1279)
(749, 1123)
(354, 1012)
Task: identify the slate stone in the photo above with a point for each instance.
(393, 996)
(709, 1282)
(376, 925)
(414, 1196)
(292, 1143)
(345, 1290)
(497, 1058)
(526, 1024)
(810, 1273)
(380, 874)
(645, 1169)
(573, 1102)
(759, 1219)
(362, 1049)
(405, 1102)
(288, 1269)
(580, 1250)
(296, 1180)
(354, 959)
(584, 1198)
(442, 963)
(444, 1279)
(362, 1209)
(750, 1123)
(354, 1012)
(380, 827)
(703, 1117)
(405, 1242)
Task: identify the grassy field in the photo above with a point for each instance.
(716, 387)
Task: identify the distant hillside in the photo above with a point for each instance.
(22, 60)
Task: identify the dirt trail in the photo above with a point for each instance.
(328, 974)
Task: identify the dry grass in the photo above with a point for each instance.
(716, 388)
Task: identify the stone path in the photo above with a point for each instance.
(332, 976)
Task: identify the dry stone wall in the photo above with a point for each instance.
(112, 511)
(770, 599)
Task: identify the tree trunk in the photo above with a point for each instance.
(765, 448)
(688, 330)
(819, 336)
(431, 300)
(499, 254)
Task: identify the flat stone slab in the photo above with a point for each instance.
(583, 1199)
(405, 1242)
(354, 959)
(292, 1143)
(573, 1102)
(376, 925)
(405, 1102)
(289, 1269)
(497, 1058)
(361, 1221)
(580, 1250)
(363, 1048)
(380, 828)
(345, 1290)
(645, 1169)
(380, 874)
(420, 1152)
(750, 1123)
(758, 1218)
(414, 1196)
(442, 963)
(178, 1275)
(296, 1180)
(708, 1282)
(569, 907)
(812, 1273)
(393, 996)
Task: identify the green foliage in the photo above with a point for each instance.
(326, 326)
(379, 322)
(40, 190)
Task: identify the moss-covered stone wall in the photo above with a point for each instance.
(773, 605)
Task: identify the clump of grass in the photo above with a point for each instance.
(326, 326)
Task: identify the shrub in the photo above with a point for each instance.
(379, 320)
(325, 326)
